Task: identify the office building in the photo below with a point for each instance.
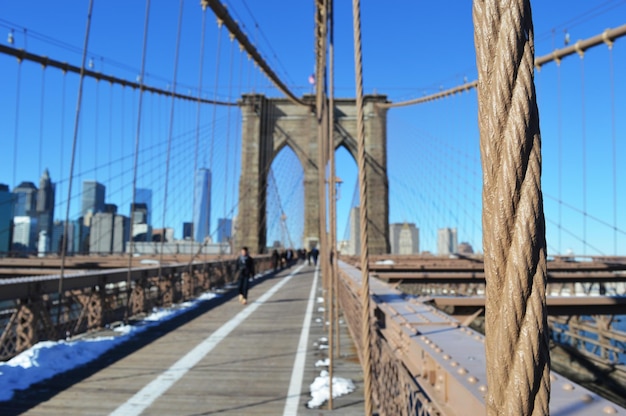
(93, 197)
(224, 230)
(187, 231)
(139, 213)
(6, 218)
(202, 205)
(144, 196)
(446, 241)
(43, 244)
(25, 198)
(45, 204)
(108, 233)
(24, 234)
(141, 232)
(404, 238)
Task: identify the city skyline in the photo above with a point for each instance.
(440, 188)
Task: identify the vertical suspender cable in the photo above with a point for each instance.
(226, 153)
(198, 113)
(584, 148)
(170, 131)
(71, 175)
(111, 128)
(62, 147)
(213, 122)
(17, 119)
(560, 157)
(136, 158)
(614, 147)
(332, 183)
(234, 202)
(366, 328)
(97, 129)
(41, 112)
(516, 345)
(217, 79)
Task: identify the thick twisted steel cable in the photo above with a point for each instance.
(518, 361)
(366, 330)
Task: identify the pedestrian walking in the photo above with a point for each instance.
(245, 268)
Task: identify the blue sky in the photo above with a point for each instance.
(410, 49)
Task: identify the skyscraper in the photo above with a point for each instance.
(109, 233)
(202, 205)
(24, 234)
(45, 204)
(404, 238)
(25, 200)
(93, 197)
(144, 196)
(6, 218)
(446, 241)
(224, 229)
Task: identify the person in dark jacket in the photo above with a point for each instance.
(245, 268)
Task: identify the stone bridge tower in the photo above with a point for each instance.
(269, 124)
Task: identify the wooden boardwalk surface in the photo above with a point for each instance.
(212, 360)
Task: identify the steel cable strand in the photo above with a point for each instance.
(513, 222)
(366, 330)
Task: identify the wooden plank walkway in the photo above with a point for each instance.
(246, 371)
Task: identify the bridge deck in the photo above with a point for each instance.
(235, 360)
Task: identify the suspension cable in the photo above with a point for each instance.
(609, 35)
(171, 130)
(217, 79)
(584, 147)
(613, 145)
(332, 183)
(72, 160)
(16, 129)
(136, 158)
(366, 330)
(41, 113)
(560, 150)
(517, 343)
(228, 114)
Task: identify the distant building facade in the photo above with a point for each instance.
(187, 230)
(108, 233)
(224, 229)
(447, 241)
(6, 219)
(202, 205)
(24, 234)
(45, 207)
(25, 200)
(404, 238)
(92, 198)
(144, 196)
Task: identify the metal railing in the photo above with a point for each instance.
(31, 309)
(427, 363)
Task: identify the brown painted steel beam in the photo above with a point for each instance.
(557, 305)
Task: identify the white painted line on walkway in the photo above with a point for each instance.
(146, 396)
(295, 385)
